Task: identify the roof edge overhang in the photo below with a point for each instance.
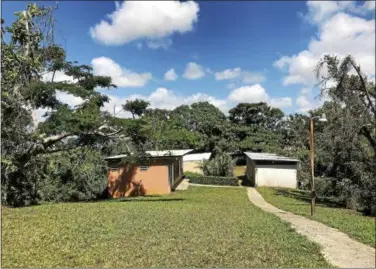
(171, 155)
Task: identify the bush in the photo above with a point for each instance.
(211, 180)
(74, 176)
(368, 195)
(221, 165)
(192, 174)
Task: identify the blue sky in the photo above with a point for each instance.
(269, 49)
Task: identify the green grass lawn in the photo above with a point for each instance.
(200, 227)
(357, 226)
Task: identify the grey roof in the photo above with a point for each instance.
(197, 157)
(268, 157)
(158, 153)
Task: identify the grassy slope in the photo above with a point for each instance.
(201, 227)
(359, 227)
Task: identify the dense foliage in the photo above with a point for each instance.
(211, 180)
(30, 60)
(44, 161)
(221, 165)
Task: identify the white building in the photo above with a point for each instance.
(268, 169)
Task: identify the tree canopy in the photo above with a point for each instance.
(26, 58)
(137, 107)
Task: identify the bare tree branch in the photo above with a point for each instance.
(364, 86)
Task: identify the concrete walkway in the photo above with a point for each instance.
(338, 248)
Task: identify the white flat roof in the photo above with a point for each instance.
(197, 157)
(268, 157)
(158, 153)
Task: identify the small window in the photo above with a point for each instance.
(144, 168)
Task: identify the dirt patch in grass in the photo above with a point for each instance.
(200, 227)
(239, 171)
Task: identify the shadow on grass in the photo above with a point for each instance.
(305, 196)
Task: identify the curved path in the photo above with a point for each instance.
(338, 248)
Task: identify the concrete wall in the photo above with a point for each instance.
(276, 175)
(123, 179)
(192, 166)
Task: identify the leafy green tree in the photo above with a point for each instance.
(344, 157)
(257, 114)
(78, 175)
(26, 54)
(353, 91)
(349, 144)
(205, 119)
(165, 132)
(136, 107)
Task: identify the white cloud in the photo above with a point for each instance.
(153, 20)
(282, 62)
(304, 104)
(115, 106)
(370, 5)
(68, 98)
(58, 77)
(305, 91)
(249, 94)
(122, 77)
(228, 74)
(237, 74)
(159, 44)
(281, 102)
(254, 94)
(320, 11)
(193, 71)
(170, 75)
(61, 96)
(339, 34)
(252, 77)
(164, 98)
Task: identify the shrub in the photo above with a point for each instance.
(73, 177)
(211, 180)
(192, 174)
(221, 165)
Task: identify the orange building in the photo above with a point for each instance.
(160, 174)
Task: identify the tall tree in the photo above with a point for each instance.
(352, 89)
(28, 53)
(136, 107)
(259, 114)
(204, 118)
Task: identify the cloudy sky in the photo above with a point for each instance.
(174, 53)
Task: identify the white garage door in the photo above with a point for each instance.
(276, 177)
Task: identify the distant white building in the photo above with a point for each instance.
(268, 169)
(192, 162)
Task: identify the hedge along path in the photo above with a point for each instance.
(214, 186)
(338, 248)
